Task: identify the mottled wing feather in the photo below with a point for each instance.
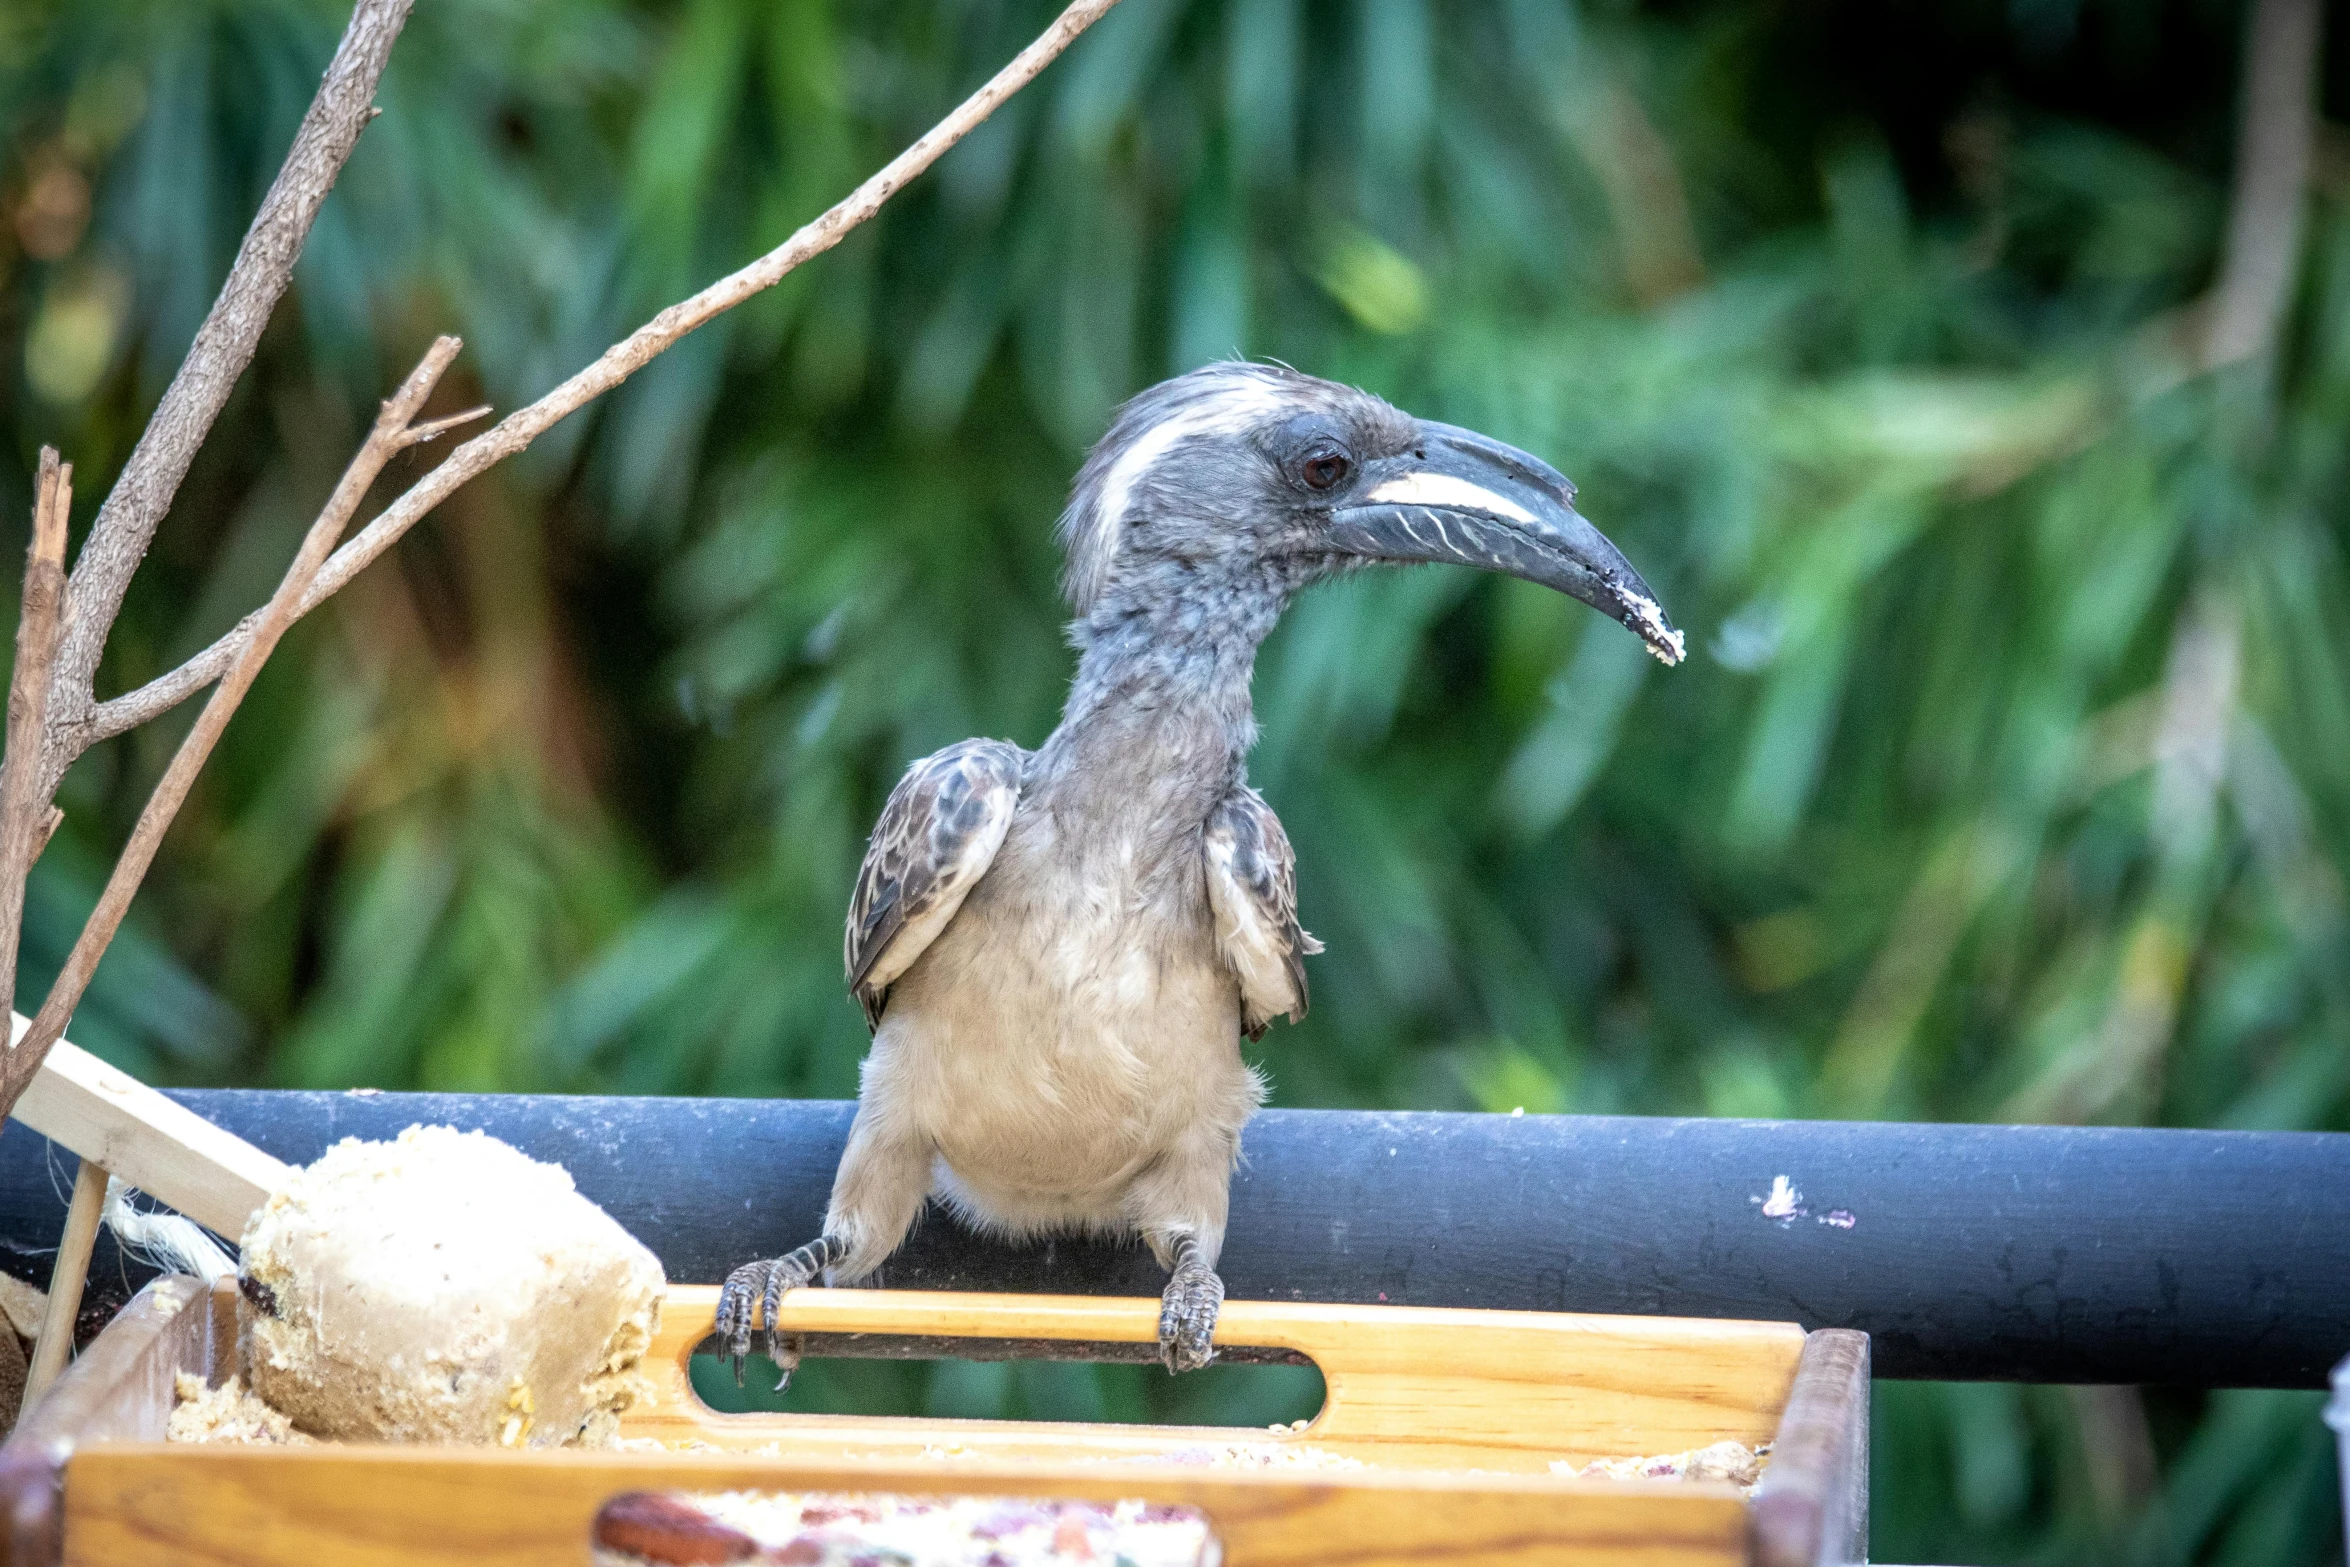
(937, 836)
(1252, 889)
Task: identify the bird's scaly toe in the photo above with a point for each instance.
(744, 1288)
(1187, 1319)
(786, 1273)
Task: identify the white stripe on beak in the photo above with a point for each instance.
(1442, 489)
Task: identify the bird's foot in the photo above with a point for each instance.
(1187, 1317)
(761, 1286)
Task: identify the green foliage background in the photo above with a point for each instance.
(2008, 781)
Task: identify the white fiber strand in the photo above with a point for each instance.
(170, 1242)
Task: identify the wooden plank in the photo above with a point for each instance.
(1812, 1508)
(136, 1505)
(1407, 1387)
(120, 1389)
(32, 1509)
(1496, 1390)
(164, 1149)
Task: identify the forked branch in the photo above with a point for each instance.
(223, 346)
(395, 430)
(517, 430)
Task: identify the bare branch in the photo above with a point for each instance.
(24, 811)
(2276, 128)
(223, 346)
(434, 429)
(517, 430)
(165, 692)
(388, 437)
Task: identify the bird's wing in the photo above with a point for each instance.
(1252, 887)
(937, 836)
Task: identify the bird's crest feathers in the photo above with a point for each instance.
(1219, 399)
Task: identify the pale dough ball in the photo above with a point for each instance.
(444, 1287)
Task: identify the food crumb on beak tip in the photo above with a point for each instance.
(1647, 621)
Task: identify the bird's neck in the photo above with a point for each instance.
(1159, 711)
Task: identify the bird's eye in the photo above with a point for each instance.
(1324, 468)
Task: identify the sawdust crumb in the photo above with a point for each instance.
(23, 1305)
(1258, 1455)
(227, 1413)
(1735, 1462)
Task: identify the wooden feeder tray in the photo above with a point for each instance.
(1456, 1416)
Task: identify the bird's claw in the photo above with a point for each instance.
(743, 1287)
(755, 1291)
(1187, 1318)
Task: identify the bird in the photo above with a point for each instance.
(1059, 950)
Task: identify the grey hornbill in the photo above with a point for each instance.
(1058, 950)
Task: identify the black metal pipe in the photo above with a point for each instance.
(2055, 1254)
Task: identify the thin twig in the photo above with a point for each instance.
(24, 811)
(223, 346)
(517, 430)
(392, 433)
(433, 429)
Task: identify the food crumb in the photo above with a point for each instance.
(1735, 1462)
(227, 1413)
(1255, 1455)
(1784, 1202)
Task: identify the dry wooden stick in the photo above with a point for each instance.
(517, 430)
(25, 814)
(66, 1278)
(223, 346)
(394, 431)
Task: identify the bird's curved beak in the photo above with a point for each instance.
(1457, 496)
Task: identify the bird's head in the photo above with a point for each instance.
(1214, 476)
